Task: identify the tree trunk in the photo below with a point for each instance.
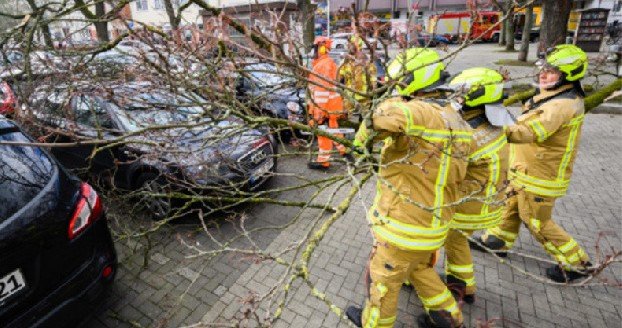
(308, 25)
(524, 46)
(555, 14)
(503, 29)
(509, 35)
(170, 12)
(101, 26)
(45, 28)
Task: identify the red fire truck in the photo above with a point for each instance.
(459, 25)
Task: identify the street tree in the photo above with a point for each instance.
(524, 46)
(553, 29)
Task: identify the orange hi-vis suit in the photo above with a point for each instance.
(326, 104)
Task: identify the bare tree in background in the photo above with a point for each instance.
(553, 29)
(524, 46)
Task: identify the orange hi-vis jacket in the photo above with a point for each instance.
(325, 102)
(545, 141)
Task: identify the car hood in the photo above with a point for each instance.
(197, 146)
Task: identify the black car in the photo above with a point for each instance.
(56, 252)
(273, 91)
(207, 150)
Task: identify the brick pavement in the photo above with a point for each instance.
(175, 290)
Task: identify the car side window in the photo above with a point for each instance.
(89, 112)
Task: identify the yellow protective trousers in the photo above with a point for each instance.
(536, 213)
(389, 267)
(458, 260)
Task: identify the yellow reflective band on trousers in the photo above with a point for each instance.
(433, 303)
(506, 236)
(476, 221)
(467, 268)
(563, 253)
(407, 236)
(535, 223)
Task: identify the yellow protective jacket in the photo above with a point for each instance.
(423, 162)
(546, 138)
(485, 178)
(355, 73)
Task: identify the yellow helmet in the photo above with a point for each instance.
(416, 69)
(482, 86)
(568, 59)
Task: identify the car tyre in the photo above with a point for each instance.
(494, 38)
(158, 207)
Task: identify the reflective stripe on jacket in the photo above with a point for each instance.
(546, 139)
(484, 181)
(324, 100)
(423, 161)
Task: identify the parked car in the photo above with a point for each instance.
(47, 62)
(56, 253)
(8, 101)
(340, 41)
(11, 63)
(273, 91)
(219, 154)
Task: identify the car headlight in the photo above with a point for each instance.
(293, 107)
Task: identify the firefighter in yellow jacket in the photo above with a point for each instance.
(423, 161)
(545, 140)
(358, 74)
(480, 89)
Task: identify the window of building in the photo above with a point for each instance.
(158, 4)
(142, 5)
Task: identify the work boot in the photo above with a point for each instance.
(556, 273)
(355, 314)
(318, 165)
(457, 288)
(436, 319)
(491, 242)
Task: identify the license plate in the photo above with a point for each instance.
(262, 170)
(11, 284)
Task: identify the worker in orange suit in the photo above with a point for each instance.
(326, 104)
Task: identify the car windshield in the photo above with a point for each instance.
(24, 172)
(268, 75)
(152, 109)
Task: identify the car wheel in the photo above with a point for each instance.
(152, 183)
(494, 38)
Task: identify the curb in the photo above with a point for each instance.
(608, 108)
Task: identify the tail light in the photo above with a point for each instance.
(88, 210)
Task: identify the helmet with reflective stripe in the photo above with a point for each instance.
(323, 40)
(415, 69)
(482, 86)
(569, 59)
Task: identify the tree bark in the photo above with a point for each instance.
(509, 35)
(555, 14)
(101, 26)
(308, 25)
(503, 29)
(524, 46)
(45, 28)
(170, 12)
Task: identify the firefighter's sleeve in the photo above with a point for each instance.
(396, 116)
(539, 128)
